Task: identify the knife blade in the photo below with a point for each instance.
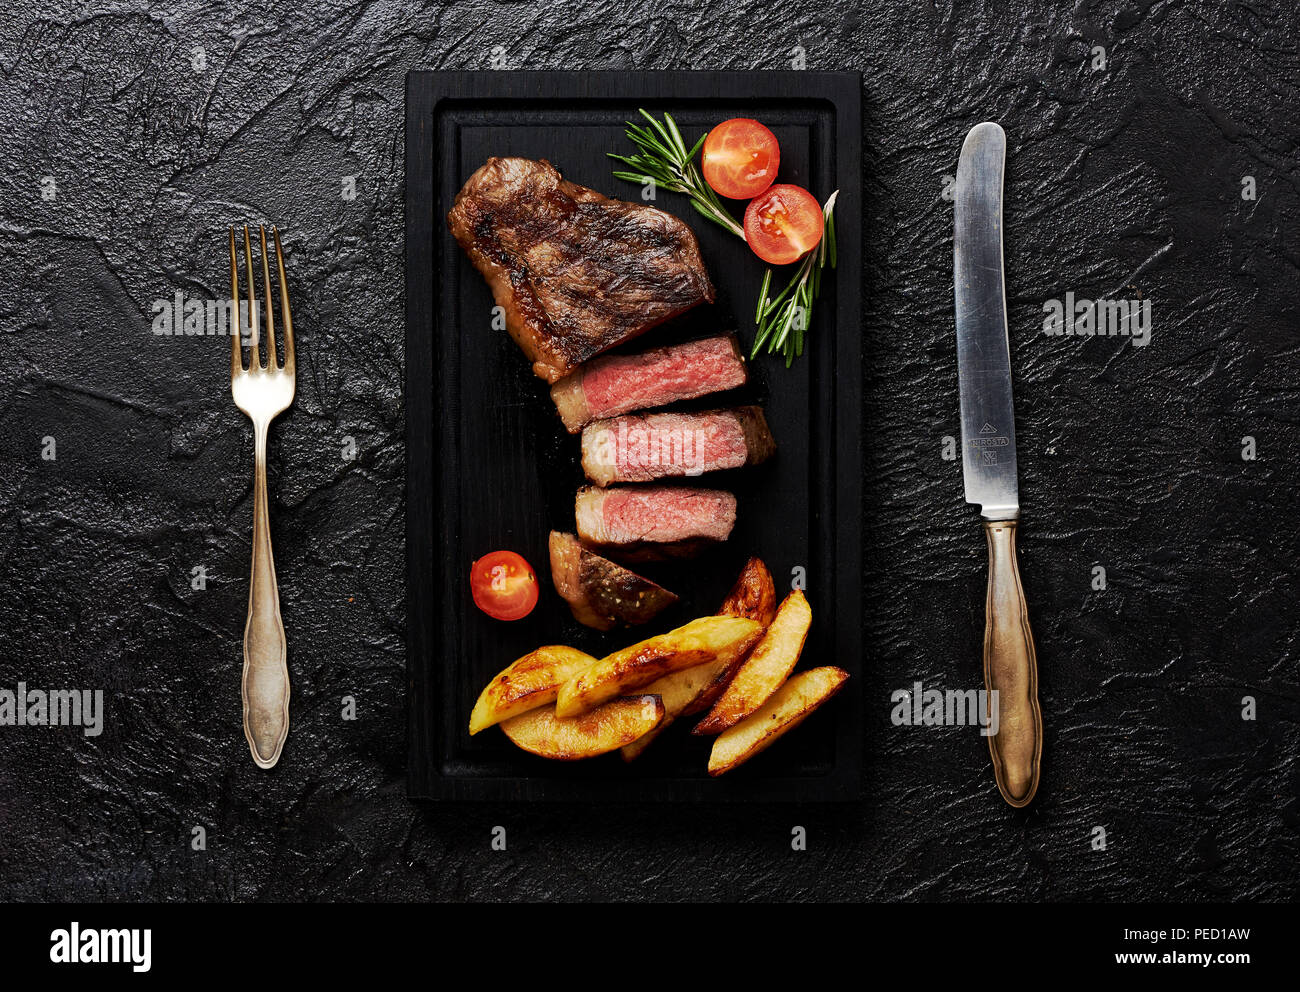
(988, 439)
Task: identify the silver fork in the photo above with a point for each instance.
(262, 392)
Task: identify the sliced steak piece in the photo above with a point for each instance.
(646, 523)
(640, 447)
(614, 384)
(575, 271)
(599, 592)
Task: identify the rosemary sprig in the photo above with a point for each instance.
(665, 160)
(782, 321)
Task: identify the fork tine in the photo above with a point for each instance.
(254, 356)
(270, 314)
(285, 317)
(236, 355)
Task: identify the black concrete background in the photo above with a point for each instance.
(160, 125)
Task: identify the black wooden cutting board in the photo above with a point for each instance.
(490, 467)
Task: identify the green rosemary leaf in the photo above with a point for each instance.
(705, 210)
(679, 145)
(662, 132)
(782, 323)
(665, 159)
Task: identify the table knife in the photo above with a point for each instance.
(988, 441)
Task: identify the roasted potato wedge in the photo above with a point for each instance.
(710, 693)
(678, 691)
(532, 681)
(697, 688)
(768, 665)
(753, 595)
(597, 731)
(700, 641)
(793, 703)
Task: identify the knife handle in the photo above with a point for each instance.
(1011, 668)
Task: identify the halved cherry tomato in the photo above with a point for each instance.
(504, 585)
(740, 158)
(783, 224)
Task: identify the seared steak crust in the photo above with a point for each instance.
(599, 592)
(576, 272)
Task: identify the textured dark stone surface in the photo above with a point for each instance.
(1129, 176)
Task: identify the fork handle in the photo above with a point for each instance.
(266, 673)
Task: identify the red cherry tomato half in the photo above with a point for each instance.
(504, 585)
(783, 224)
(740, 158)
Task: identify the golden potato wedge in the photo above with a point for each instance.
(710, 693)
(532, 681)
(793, 703)
(677, 691)
(597, 731)
(768, 665)
(753, 595)
(703, 640)
(697, 688)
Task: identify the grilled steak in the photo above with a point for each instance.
(575, 272)
(614, 384)
(645, 523)
(599, 592)
(640, 447)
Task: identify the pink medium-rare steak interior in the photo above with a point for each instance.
(654, 515)
(614, 384)
(664, 375)
(640, 447)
